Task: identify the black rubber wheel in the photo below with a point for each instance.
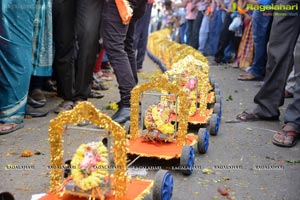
(6, 196)
(217, 108)
(203, 140)
(217, 91)
(216, 85)
(187, 159)
(213, 125)
(163, 185)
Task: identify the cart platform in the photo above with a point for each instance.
(166, 151)
(135, 189)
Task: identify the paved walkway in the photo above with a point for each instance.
(241, 158)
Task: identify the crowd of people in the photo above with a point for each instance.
(67, 42)
(252, 40)
(59, 46)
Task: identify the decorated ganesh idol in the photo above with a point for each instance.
(158, 122)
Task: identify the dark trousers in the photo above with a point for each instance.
(129, 48)
(76, 34)
(196, 30)
(36, 82)
(141, 36)
(283, 37)
(225, 38)
(117, 43)
(189, 30)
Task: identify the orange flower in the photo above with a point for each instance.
(26, 153)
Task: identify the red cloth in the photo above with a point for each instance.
(98, 64)
(150, 1)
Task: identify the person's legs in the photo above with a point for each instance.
(290, 85)
(215, 31)
(142, 38)
(182, 33)
(114, 34)
(36, 97)
(261, 29)
(225, 38)
(288, 136)
(196, 30)
(129, 48)
(291, 81)
(228, 51)
(64, 38)
(203, 35)
(188, 31)
(88, 16)
(292, 114)
(15, 62)
(284, 33)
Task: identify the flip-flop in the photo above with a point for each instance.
(95, 94)
(65, 105)
(291, 136)
(250, 117)
(13, 128)
(248, 77)
(247, 116)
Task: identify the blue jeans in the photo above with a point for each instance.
(182, 33)
(203, 35)
(261, 29)
(215, 30)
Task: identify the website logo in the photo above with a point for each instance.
(276, 9)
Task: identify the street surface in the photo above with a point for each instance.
(241, 159)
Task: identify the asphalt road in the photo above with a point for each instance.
(241, 159)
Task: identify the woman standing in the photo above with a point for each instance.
(17, 30)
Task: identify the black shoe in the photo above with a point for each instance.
(122, 115)
(32, 112)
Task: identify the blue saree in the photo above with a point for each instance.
(23, 45)
(16, 33)
(42, 43)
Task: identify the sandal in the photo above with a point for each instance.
(6, 128)
(248, 77)
(95, 94)
(247, 116)
(285, 138)
(98, 86)
(250, 116)
(64, 106)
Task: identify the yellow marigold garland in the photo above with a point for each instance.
(90, 177)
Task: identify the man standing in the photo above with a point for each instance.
(118, 42)
(141, 36)
(76, 26)
(284, 33)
